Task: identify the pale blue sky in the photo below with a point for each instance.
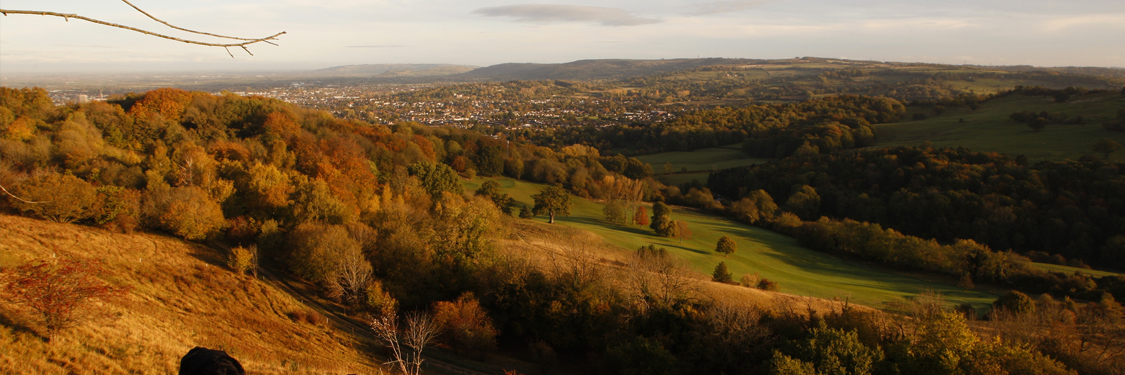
(485, 32)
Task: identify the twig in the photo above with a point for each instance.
(68, 16)
(180, 28)
(18, 198)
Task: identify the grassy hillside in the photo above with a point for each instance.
(697, 164)
(989, 129)
(182, 297)
(774, 256)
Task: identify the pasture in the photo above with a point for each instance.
(771, 255)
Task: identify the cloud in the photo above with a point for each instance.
(724, 7)
(543, 13)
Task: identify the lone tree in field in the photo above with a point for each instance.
(722, 275)
(1106, 146)
(726, 245)
(554, 200)
(59, 291)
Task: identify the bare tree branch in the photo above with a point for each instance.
(18, 198)
(68, 16)
(183, 29)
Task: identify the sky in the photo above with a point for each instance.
(327, 33)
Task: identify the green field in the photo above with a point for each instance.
(698, 163)
(1070, 270)
(989, 129)
(774, 256)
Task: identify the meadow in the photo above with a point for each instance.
(989, 129)
(685, 166)
(799, 270)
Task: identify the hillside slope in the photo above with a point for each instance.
(182, 297)
(989, 128)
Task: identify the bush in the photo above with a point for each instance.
(308, 316)
(770, 285)
(749, 280)
(60, 291)
(242, 259)
(1014, 302)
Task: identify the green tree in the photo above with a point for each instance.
(721, 274)
(804, 202)
(838, 352)
(1014, 302)
(662, 222)
(436, 178)
(525, 212)
(782, 364)
(755, 207)
(726, 245)
(553, 200)
(491, 189)
(614, 211)
(1106, 146)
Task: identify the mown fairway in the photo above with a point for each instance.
(773, 256)
(670, 166)
(989, 128)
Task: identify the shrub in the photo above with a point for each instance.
(1014, 302)
(749, 280)
(59, 291)
(770, 285)
(242, 259)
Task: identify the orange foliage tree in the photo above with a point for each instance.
(61, 291)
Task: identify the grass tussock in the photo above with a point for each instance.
(182, 296)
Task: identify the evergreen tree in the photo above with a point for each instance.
(721, 274)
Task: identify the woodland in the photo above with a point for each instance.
(375, 216)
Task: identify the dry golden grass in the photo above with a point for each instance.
(182, 297)
(545, 246)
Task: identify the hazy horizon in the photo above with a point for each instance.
(1041, 33)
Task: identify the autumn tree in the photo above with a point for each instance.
(640, 216)
(553, 200)
(61, 291)
(56, 197)
(726, 246)
(721, 274)
(682, 230)
(467, 325)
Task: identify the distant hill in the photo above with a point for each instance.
(594, 69)
(392, 70)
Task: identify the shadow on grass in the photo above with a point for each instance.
(18, 327)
